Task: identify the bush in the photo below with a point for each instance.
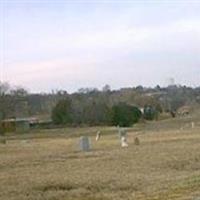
(125, 115)
(62, 112)
(150, 113)
(2, 131)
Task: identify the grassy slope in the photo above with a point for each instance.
(48, 166)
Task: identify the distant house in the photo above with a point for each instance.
(142, 110)
(184, 110)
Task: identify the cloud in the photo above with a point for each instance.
(48, 72)
(126, 48)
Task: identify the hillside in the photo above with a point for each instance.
(47, 164)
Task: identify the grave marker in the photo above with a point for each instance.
(124, 142)
(98, 135)
(85, 143)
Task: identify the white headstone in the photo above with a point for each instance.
(84, 143)
(124, 142)
(192, 124)
(98, 135)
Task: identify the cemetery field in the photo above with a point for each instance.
(47, 165)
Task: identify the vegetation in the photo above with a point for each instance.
(125, 115)
(62, 112)
(91, 106)
(95, 113)
(150, 112)
(46, 164)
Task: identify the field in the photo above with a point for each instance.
(47, 164)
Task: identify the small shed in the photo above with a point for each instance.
(19, 125)
(22, 125)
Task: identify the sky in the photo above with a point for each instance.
(50, 45)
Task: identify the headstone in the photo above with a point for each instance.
(25, 141)
(84, 143)
(124, 142)
(136, 141)
(122, 132)
(98, 135)
(192, 124)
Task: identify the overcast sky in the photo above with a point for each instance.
(63, 44)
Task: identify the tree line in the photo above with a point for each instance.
(91, 106)
(96, 113)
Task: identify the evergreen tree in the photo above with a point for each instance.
(125, 115)
(62, 112)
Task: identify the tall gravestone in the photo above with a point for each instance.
(122, 136)
(121, 132)
(124, 142)
(98, 135)
(192, 124)
(85, 144)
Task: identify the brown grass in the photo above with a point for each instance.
(49, 166)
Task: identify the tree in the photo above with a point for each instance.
(62, 112)
(106, 88)
(150, 112)
(125, 115)
(4, 88)
(96, 113)
(19, 92)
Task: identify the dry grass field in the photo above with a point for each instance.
(47, 165)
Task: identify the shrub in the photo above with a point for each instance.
(125, 115)
(62, 112)
(150, 113)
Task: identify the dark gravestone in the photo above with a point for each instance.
(136, 141)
